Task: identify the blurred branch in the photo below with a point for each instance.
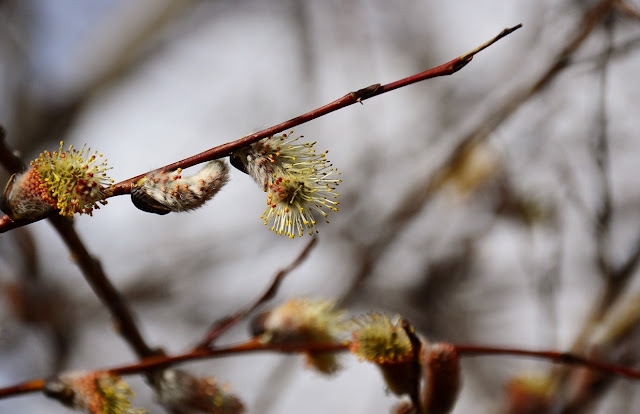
(619, 50)
(616, 335)
(424, 190)
(577, 387)
(102, 286)
(566, 358)
(223, 325)
(616, 280)
(600, 151)
(127, 55)
(158, 362)
(627, 9)
(255, 345)
(38, 121)
(35, 301)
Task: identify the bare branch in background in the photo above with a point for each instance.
(425, 188)
(223, 325)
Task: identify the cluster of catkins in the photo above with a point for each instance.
(299, 183)
(177, 390)
(428, 373)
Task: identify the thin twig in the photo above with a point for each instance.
(424, 190)
(602, 223)
(351, 98)
(627, 268)
(566, 358)
(601, 157)
(161, 361)
(449, 68)
(102, 287)
(627, 9)
(8, 158)
(23, 388)
(223, 325)
(616, 279)
(254, 345)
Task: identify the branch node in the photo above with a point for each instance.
(365, 93)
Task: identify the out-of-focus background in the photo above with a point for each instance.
(482, 207)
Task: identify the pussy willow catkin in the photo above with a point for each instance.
(163, 192)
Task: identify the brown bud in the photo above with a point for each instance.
(441, 378)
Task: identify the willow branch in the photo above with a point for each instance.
(223, 325)
(565, 358)
(351, 98)
(254, 345)
(449, 68)
(102, 286)
(160, 361)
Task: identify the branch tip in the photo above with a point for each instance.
(469, 55)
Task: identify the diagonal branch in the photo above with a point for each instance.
(351, 98)
(102, 286)
(254, 345)
(223, 325)
(449, 68)
(422, 192)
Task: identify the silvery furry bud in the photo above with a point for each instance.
(182, 392)
(22, 199)
(163, 192)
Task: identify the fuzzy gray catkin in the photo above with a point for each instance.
(163, 192)
(19, 201)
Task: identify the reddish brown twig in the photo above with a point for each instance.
(23, 388)
(102, 286)
(223, 325)
(449, 68)
(360, 95)
(628, 10)
(254, 345)
(157, 362)
(566, 358)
